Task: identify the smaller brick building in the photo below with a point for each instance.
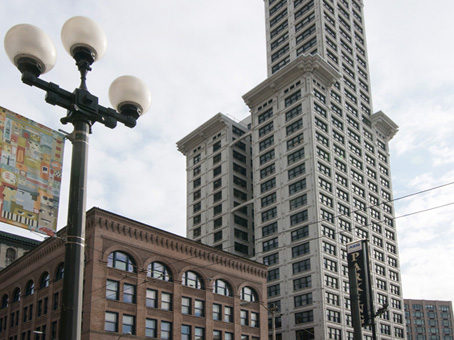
(429, 319)
(140, 282)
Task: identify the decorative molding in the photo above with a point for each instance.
(148, 234)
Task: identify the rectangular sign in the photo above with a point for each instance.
(31, 168)
(358, 262)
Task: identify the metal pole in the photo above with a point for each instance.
(273, 319)
(356, 314)
(71, 314)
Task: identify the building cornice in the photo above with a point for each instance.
(159, 238)
(312, 64)
(199, 135)
(382, 123)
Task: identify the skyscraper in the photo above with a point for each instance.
(320, 173)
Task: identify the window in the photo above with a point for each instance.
(217, 335)
(166, 301)
(295, 156)
(301, 266)
(16, 294)
(273, 274)
(151, 330)
(199, 308)
(299, 217)
(60, 272)
(297, 186)
(302, 282)
(30, 288)
(304, 317)
(186, 304)
(121, 261)
(217, 311)
(228, 314)
(302, 300)
(129, 293)
(222, 287)
(112, 290)
(274, 290)
(111, 322)
(197, 182)
(158, 270)
(267, 200)
(300, 249)
(331, 282)
(333, 316)
(268, 185)
(248, 294)
(44, 281)
(151, 298)
(254, 319)
(269, 214)
(193, 280)
(266, 171)
(330, 265)
(265, 115)
(166, 330)
(244, 318)
(269, 229)
(199, 333)
(5, 301)
(296, 171)
(129, 324)
(185, 332)
(300, 233)
(217, 209)
(271, 259)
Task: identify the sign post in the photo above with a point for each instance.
(360, 286)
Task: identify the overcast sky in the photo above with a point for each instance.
(199, 57)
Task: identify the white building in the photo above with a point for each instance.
(320, 173)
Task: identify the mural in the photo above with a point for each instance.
(31, 167)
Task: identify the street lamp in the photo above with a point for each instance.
(271, 310)
(31, 50)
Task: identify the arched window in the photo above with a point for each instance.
(16, 295)
(248, 294)
(121, 261)
(158, 270)
(44, 281)
(5, 301)
(193, 280)
(30, 288)
(60, 272)
(10, 254)
(223, 288)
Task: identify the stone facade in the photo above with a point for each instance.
(136, 276)
(13, 246)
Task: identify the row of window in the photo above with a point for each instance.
(163, 329)
(158, 270)
(30, 286)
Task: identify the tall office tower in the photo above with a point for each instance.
(320, 170)
(429, 319)
(219, 185)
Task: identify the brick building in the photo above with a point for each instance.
(140, 282)
(429, 319)
(13, 246)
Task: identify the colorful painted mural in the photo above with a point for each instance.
(31, 168)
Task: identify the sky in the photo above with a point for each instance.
(199, 57)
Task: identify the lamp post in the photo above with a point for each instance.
(31, 50)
